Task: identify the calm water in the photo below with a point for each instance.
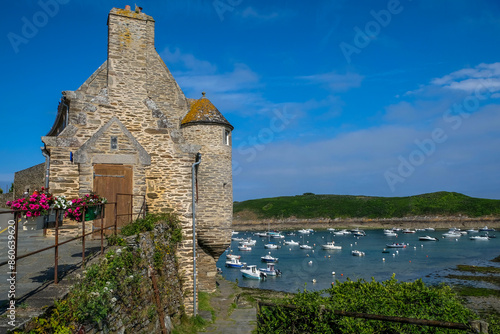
(429, 260)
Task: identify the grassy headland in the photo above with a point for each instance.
(308, 206)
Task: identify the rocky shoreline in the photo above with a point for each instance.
(293, 223)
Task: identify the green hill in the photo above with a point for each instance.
(342, 206)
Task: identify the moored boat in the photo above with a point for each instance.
(235, 263)
(232, 256)
(357, 253)
(270, 270)
(331, 245)
(452, 234)
(479, 237)
(271, 246)
(291, 242)
(407, 231)
(396, 245)
(248, 242)
(427, 238)
(268, 258)
(253, 273)
(244, 248)
(305, 247)
(486, 229)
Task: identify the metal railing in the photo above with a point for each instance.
(475, 326)
(57, 244)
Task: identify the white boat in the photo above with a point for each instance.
(472, 231)
(407, 230)
(268, 258)
(270, 270)
(248, 242)
(452, 234)
(342, 232)
(291, 243)
(235, 263)
(303, 231)
(428, 238)
(244, 248)
(479, 237)
(485, 229)
(390, 233)
(252, 272)
(260, 234)
(234, 232)
(429, 229)
(271, 246)
(330, 229)
(357, 253)
(305, 247)
(331, 245)
(396, 245)
(237, 239)
(233, 256)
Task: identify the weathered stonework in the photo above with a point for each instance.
(132, 112)
(29, 179)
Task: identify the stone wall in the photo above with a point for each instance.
(138, 307)
(134, 97)
(215, 197)
(4, 198)
(29, 179)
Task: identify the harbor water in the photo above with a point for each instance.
(431, 261)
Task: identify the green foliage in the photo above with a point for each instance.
(189, 325)
(114, 240)
(391, 298)
(340, 206)
(148, 223)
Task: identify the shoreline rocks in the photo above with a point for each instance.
(293, 223)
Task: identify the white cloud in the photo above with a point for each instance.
(188, 61)
(483, 76)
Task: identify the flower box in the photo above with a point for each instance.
(45, 221)
(95, 212)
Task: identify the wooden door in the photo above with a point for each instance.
(110, 180)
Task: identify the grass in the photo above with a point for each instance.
(204, 303)
(467, 291)
(475, 269)
(342, 206)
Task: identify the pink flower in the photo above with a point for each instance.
(28, 214)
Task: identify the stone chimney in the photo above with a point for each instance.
(130, 38)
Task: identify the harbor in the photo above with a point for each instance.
(318, 268)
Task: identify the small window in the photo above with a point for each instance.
(227, 137)
(114, 143)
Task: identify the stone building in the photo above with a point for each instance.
(129, 129)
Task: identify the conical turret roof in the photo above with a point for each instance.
(202, 111)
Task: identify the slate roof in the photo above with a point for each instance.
(202, 111)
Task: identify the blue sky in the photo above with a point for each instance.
(381, 98)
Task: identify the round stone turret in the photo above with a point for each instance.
(204, 125)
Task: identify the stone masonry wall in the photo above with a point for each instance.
(4, 198)
(214, 208)
(134, 86)
(30, 179)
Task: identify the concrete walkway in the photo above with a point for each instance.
(34, 288)
(233, 315)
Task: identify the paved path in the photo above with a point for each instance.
(230, 320)
(34, 288)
